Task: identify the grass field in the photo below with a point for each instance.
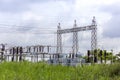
(42, 71)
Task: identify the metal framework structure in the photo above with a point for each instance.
(75, 30)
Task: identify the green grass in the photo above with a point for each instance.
(42, 71)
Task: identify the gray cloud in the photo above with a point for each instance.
(112, 27)
(17, 6)
(13, 6)
(27, 26)
(113, 9)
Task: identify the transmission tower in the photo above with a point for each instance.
(75, 30)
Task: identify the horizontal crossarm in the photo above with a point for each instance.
(76, 29)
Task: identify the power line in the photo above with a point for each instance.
(23, 27)
(29, 32)
(31, 28)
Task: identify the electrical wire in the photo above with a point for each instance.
(24, 29)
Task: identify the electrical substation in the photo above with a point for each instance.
(36, 53)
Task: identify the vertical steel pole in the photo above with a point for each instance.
(59, 40)
(94, 37)
(75, 40)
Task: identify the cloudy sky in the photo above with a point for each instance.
(30, 22)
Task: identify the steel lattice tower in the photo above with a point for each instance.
(94, 35)
(75, 39)
(59, 40)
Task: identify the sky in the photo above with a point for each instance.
(32, 22)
